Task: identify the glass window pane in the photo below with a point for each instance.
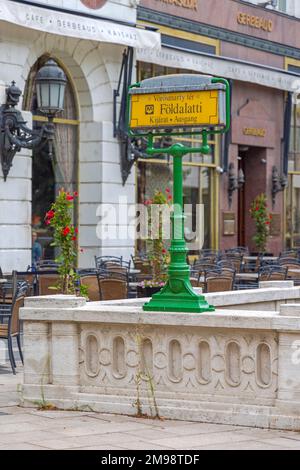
(293, 212)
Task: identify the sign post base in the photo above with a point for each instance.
(185, 301)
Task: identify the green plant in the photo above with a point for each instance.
(259, 213)
(157, 252)
(65, 236)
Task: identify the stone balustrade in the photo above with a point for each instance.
(237, 365)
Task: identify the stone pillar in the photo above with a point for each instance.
(15, 208)
(104, 201)
(65, 354)
(289, 362)
(51, 347)
(37, 353)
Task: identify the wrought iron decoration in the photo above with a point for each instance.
(14, 133)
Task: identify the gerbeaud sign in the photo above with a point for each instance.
(115, 9)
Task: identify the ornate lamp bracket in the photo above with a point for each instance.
(279, 183)
(14, 133)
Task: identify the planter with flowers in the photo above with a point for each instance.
(65, 236)
(156, 249)
(261, 216)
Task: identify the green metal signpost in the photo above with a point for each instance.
(178, 105)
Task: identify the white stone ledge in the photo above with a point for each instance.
(45, 309)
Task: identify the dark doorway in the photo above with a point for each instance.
(252, 160)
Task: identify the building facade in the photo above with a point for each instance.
(258, 50)
(87, 39)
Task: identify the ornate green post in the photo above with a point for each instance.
(178, 294)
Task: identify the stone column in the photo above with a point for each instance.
(37, 353)
(65, 354)
(15, 208)
(289, 362)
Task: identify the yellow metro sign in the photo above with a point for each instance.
(179, 109)
(176, 102)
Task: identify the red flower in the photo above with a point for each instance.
(50, 215)
(66, 231)
(271, 217)
(74, 239)
(257, 208)
(76, 194)
(267, 223)
(168, 190)
(164, 251)
(169, 197)
(69, 197)
(76, 230)
(148, 202)
(48, 222)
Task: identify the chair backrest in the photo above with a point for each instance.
(289, 254)
(113, 289)
(46, 283)
(101, 260)
(243, 250)
(290, 262)
(92, 284)
(115, 268)
(272, 273)
(219, 284)
(235, 259)
(46, 265)
(14, 324)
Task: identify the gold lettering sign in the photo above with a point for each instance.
(175, 109)
(254, 131)
(190, 4)
(258, 22)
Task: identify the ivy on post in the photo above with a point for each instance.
(178, 105)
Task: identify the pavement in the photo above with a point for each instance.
(32, 429)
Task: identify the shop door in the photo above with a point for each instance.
(252, 160)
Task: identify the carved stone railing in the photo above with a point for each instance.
(231, 366)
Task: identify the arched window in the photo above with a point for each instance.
(50, 175)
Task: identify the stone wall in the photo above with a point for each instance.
(231, 366)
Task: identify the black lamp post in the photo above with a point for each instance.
(14, 134)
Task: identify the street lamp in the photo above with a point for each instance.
(50, 88)
(14, 134)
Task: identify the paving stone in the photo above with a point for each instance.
(250, 445)
(96, 428)
(107, 447)
(194, 441)
(283, 442)
(29, 437)
(21, 446)
(198, 428)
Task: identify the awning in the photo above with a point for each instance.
(223, 67)
(64, 24)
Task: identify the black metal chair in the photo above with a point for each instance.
(272, 273)
(10, 323)
(101, 260)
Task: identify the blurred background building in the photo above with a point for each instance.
(103, 45)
